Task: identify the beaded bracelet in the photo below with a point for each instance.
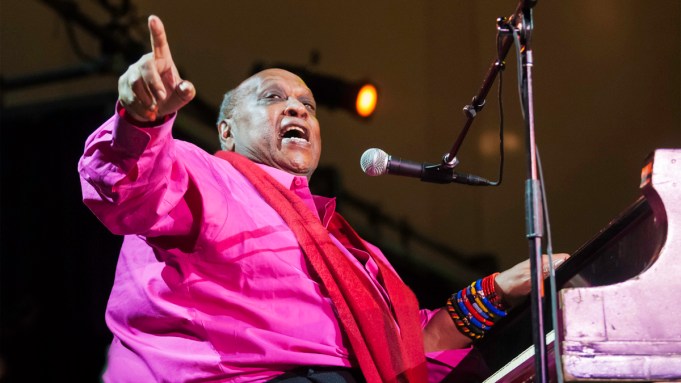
(477, 315)
(460, 325)
(465, 317)
(464, 325)
(476, 308)
(481, 293)
(477, 303)
(488, 285)
(468, 316)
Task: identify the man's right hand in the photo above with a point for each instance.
(152, 88)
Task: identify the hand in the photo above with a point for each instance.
(152, 87)
(514, 284)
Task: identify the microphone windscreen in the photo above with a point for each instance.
(374, 162)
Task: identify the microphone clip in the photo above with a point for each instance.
(449, 164)
(442, 174)
(437, 174)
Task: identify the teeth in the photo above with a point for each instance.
(295, 139)
(294, 128)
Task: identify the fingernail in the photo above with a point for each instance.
(183, 86)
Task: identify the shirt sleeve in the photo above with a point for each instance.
(464, 364)
(131, 180)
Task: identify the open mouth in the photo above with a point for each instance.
(294, 133)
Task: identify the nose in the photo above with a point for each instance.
(295, 108)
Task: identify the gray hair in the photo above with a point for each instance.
(229, 103)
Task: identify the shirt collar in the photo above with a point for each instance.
(325, 206)
(283, 177)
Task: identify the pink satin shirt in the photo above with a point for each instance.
(211, 284)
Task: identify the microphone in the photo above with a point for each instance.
(376, 162)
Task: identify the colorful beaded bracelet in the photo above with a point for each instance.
(459, 322)
(476, 308)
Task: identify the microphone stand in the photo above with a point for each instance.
(533, 206)
(471, 110)
(520, 22)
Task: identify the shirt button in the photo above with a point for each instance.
(297, 182)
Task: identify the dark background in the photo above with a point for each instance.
(607, 93)
(55, 283)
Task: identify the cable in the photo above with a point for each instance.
(552, 274)
(521, 80)
(501, 114)
(501, 131)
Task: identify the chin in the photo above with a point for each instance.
(299, 166)
(303, 172)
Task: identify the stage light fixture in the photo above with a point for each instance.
(359, 98)
(366, 100)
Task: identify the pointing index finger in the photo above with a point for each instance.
(159, 42)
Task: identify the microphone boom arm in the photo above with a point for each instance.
(478, 102)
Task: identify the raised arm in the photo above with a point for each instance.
(152, 87)
(131, 176)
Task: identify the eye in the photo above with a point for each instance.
(310, 105)
(273, 96)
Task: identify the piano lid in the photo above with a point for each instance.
(631, 246)
(630, 330)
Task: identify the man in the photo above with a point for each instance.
(230, 269)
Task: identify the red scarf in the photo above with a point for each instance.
(385, 352)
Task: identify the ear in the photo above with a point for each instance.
(225, 133)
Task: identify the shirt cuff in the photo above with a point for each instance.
(122, 113)
(132, 137)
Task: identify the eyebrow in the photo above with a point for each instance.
(266, 85)
(273, 83)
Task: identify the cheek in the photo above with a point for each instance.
(261, 141)
(317, 135)
(319, 144)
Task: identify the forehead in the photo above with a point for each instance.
(277, 78)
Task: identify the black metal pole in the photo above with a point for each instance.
(478, 101)
(533, 217)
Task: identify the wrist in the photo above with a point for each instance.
(135, 120)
